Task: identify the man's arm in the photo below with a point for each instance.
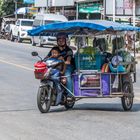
(69, 57)
(68, 61)
(64, 69)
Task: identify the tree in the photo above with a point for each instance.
(1, 3)
(7, 7)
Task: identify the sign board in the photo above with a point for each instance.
(90, 8)
(28, 1)
(123, 7)
(90, 80)
(128, 4)
(32, 10)
(137, 7)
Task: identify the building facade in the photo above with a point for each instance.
(65, 7)
(72, 9)
(90, 9)
(124, 10)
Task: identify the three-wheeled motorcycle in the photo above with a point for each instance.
(104, 68)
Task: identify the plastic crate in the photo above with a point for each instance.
(89, 62)
(86, 62)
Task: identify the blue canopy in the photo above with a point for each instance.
(77, 25)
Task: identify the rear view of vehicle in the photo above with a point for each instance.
(44, 19)
(6, 26)
(20, 30)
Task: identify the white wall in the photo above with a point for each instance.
(43, 3)
(62, 2)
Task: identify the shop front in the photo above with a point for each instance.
(89, 9)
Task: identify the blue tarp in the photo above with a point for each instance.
(77, 25)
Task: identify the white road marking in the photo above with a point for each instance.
(17, 65)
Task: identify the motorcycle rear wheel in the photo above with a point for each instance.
(44, 99)
(69, 103)
(127, 99)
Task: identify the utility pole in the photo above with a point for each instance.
(103, 10)
(47, 5)
(134, 12)
(15, 1)
(114, 9)
(77, 11)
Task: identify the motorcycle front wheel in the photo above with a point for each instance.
(44, 99)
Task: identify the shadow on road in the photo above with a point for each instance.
(17, 110)
(105, 107)
(98, 107)
(110, 107)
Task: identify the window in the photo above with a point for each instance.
(36, 23)
(26, 23)
(49, 21)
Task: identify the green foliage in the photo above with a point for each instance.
(7, 7)
(1, 3)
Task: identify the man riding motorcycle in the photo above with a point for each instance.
(67, 54)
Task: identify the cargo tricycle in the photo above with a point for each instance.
(103, 66)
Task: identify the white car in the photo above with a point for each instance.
(44, 19)
(19, 31)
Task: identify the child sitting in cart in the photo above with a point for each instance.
(55, 53)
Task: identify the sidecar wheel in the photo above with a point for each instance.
(44, 99)
(127, 99)
(69, 103)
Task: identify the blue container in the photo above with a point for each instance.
(100, 60)
(89, 62)
(86, 62)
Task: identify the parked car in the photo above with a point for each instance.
(44, 19)
(6, 26)
(19, 30)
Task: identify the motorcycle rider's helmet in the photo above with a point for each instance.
(62, 34)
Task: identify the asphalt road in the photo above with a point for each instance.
(90, 119)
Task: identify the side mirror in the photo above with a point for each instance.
(34, 54)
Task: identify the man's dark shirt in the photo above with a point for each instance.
(65, 53)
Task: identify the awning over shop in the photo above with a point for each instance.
(26, 10)
(22, 11)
